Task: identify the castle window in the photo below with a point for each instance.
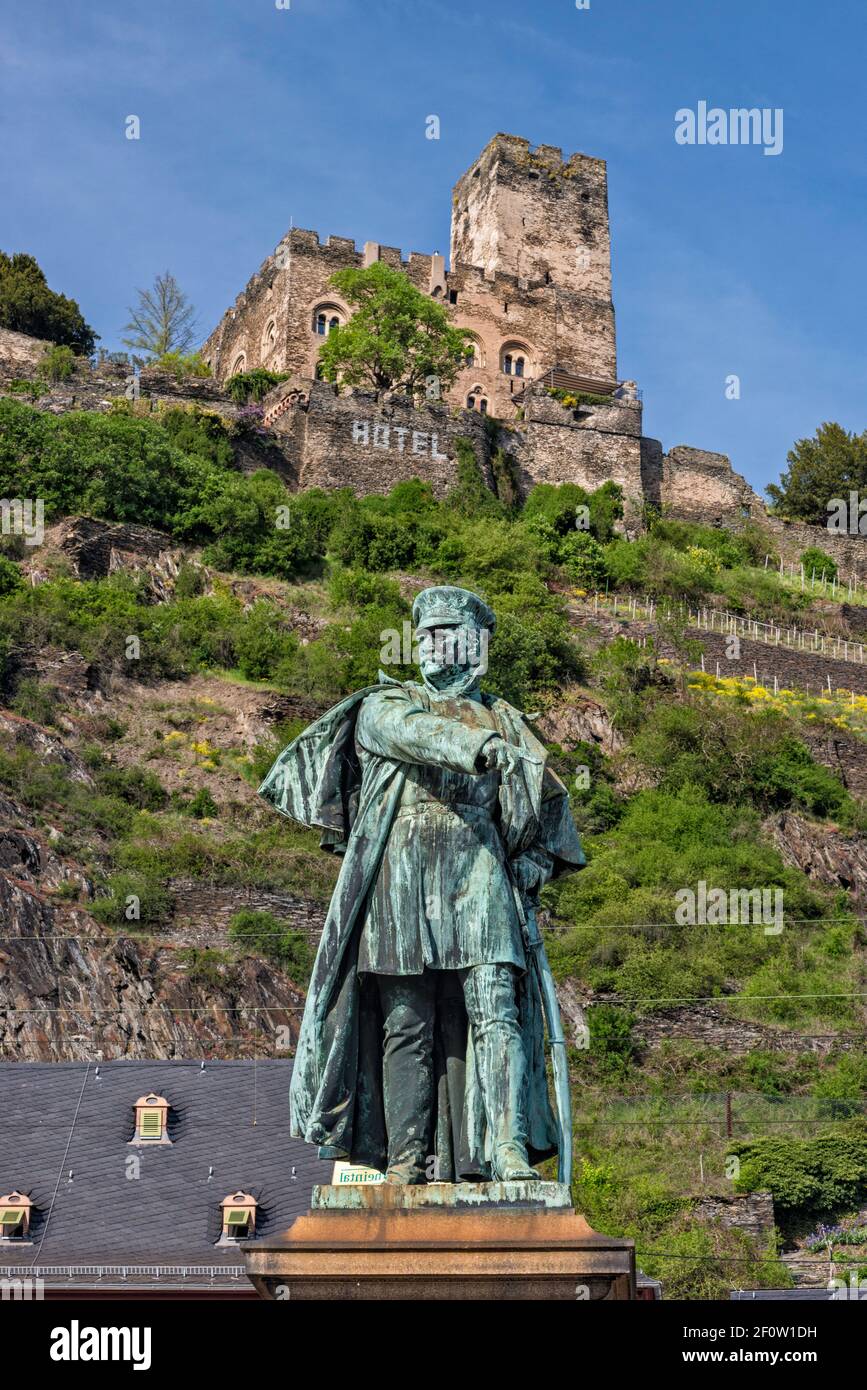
(324, 318)
(483, 406)
(515, 359)
(471, 402)
(453, 296)
(240, 364)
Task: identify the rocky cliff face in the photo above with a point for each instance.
(822, 852)
(71, 989)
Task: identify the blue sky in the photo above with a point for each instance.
(726, 261)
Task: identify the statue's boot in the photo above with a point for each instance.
(512, 1165)
(406, 1174)
(489, 991)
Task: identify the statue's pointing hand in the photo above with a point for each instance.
(505, 758)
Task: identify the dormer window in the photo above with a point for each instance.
(14, 1216)
(151, 1120)
(239, 1216)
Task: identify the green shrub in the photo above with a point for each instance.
(264, 645)
(816, 562)
(253, 386)
(182, 365)
(267, 935)
(807, 1177)
(583, 558)
(139, 787)
(57, 364)
(35, 700)
(11, 578)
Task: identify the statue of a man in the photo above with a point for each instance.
(421, 1047)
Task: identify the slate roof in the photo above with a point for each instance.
(231, 1117)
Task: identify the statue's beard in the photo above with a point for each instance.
(449, 680)
(450, 661)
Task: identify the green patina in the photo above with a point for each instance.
(422, 1045)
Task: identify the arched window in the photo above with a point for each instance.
(516, 359)
(483, 406)
(269, 338)
(326, 316)
(240, 364)
(471, 402)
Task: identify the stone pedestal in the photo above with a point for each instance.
(443, 1241)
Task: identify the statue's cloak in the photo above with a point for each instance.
(336, 1089)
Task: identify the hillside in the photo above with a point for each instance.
(170, 635)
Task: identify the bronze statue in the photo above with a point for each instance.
(421, 1050)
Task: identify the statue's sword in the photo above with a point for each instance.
(556, 1038)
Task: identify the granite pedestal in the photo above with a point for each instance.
(465, 1241)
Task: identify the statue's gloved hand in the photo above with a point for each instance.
(531, 871)
(505, 758)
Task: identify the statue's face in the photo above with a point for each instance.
(446, 655)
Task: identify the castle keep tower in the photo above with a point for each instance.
(530, 221)
(535, 216)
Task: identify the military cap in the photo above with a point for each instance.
(446, 606)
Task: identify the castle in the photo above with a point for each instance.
(530, 279)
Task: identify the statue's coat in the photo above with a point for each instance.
(336, 1089)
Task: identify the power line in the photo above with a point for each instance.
(120, 934)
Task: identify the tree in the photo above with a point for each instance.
(27, 305)
(163, 321)
(820, 470)
(397, 338)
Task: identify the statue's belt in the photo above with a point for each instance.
(463, 810)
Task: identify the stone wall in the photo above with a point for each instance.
(753, 1213)
(367, 441)
(715, 1027)
(799, 669)
(588, 446)
(697, 485)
